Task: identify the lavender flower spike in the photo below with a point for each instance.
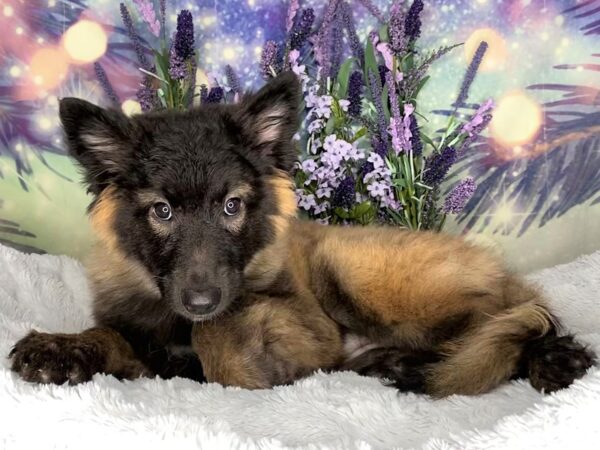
(163, 15)
(470, 74)
(184, 36)
(268, 59)
(355, 44)
(396, 29)
(105, 83)
(215, 95)
(355, 84)
(417, 145)
(177, 66)
(291, 15)
(232, 80)
(133, 36)
(374, 10)
(376, 95)
(438, 165)
(301, 29)
(412, 24)
(323, 40)
(459, 196)
(146, 9)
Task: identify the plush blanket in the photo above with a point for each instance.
(344, 410)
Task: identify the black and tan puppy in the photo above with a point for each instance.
(196, 221)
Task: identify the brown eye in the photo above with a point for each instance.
(162, 210)
(232, 206)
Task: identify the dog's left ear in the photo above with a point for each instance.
(98, 139)
(269, 120)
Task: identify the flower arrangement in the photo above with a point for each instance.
(365, 158)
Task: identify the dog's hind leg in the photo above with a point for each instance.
(519, 341)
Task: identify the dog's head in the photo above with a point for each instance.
(191, 197)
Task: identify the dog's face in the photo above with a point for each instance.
(190, 196)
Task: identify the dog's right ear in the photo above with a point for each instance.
(98, 139)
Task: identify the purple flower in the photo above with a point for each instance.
(481, 117)
(268, 59)
(459, 196)
(337, 46)
(374, 10)
(324, 192)
(376, 94)
(412, 24)
(344, 194)
(470, 74)
(105, 83)
(396, 28)
(184, 36)
(163, 14)
(355, 84)
(417, 145)
(306, 202)
(134, 37)
(379, 146)
(378, 189)
(301, 29)
(177, 67)
(232, 79)
(215, 95)
(291, 14)
(355, 44)
(309, 166)
(203, 94)
(323, 41)
(438, 165)
(146, 10)
(146, 95)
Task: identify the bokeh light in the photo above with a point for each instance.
(48, 67)
(85, 41)
(496, 54)
(131, 107)
(516, 121)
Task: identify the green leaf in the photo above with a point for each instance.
(330, 126)
(342, 213)
(343, 77)
(361, 209)
(422, 83)
(428, 140)
(360, 133)
(370, 63)
(384, 33)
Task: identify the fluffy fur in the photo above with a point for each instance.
(271, 298)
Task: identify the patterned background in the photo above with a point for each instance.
(538, 171)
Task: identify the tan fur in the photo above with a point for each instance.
(266, 264)
(397, 288)
(275, 342)
(112, 273)
(487, 357)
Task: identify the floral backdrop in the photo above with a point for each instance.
(538, 174)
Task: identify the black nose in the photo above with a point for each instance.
(201, 302)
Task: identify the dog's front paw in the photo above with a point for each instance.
(56, 358)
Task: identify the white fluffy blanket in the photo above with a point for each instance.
(342, 410)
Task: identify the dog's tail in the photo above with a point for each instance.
(520, 341)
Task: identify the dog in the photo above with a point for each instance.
(200, 253)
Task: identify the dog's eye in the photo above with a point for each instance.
(162, 210)
(232, 206)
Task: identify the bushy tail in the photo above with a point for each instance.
(490, 354)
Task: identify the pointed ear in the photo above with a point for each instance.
(270, 118)
(97, 138)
